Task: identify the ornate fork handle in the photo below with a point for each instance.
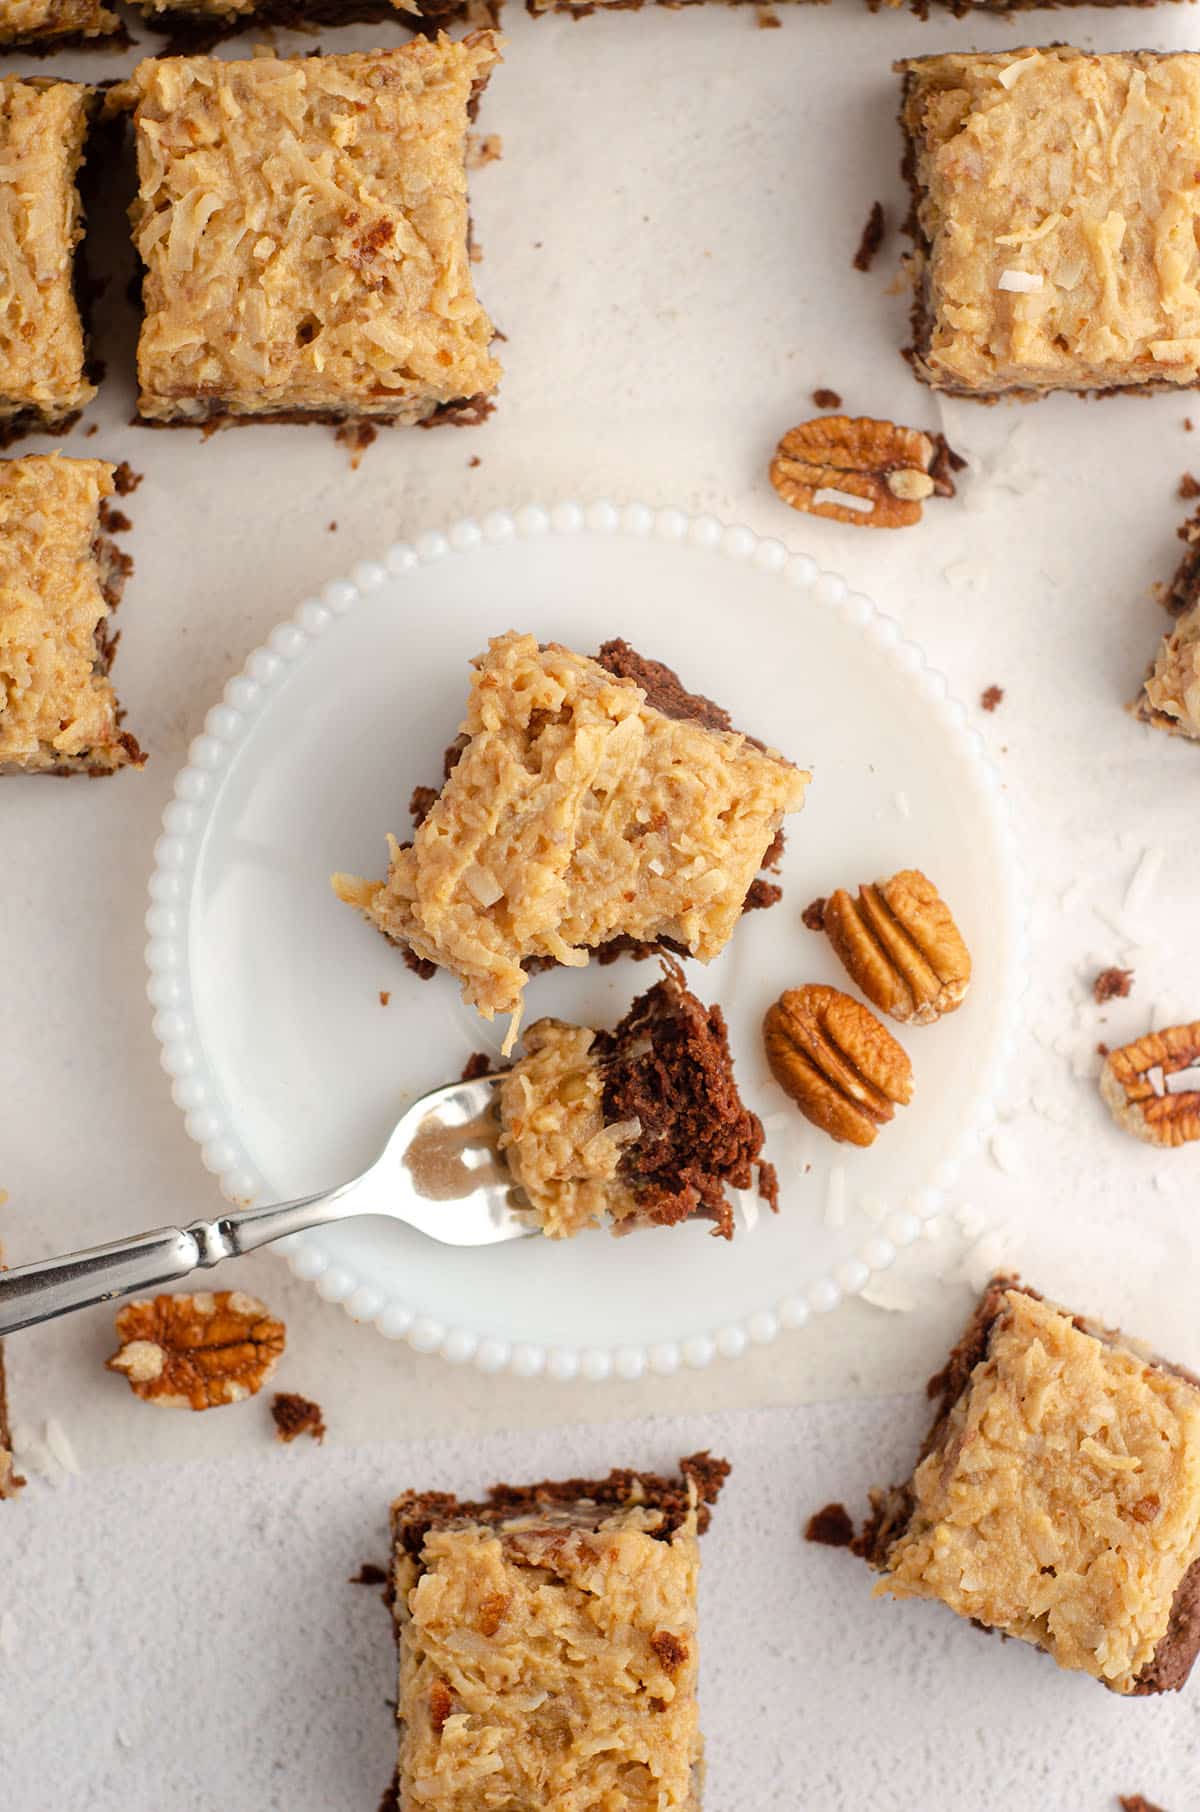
(56, 1286)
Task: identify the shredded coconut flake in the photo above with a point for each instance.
(58, 1441)
(835, 1197)
(1023, 283)
(1012, 72)
(1142, 883)
(845, 500)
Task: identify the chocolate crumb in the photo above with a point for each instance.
(1112, 984)
(478, 1064)
(421, 802)
(295, 1416)
(113, 522)
(991, 697)
(1187, 424)
(474, 461)
(418, 964)
(333, 528)
(370, 1573)
(830, 1527)
(762, 894)
(1102, 1049)
(872, 238)
(826, 399)
(1189, 487)
(357, 437)
(125, 479)
(773, 854)
(1133, 1802)
(89, 431)
(814, 915)
(385, 997)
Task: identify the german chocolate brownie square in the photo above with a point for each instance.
(1057, 1495)
(548, 1643)
(1170, 695)
(43, 25)
(43, 125)
(642, 1125)
(575, 814)
(303, 226)
(1055, 213)
(60, 580)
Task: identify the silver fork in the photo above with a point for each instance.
(440, 1172)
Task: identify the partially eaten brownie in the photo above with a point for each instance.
(1057, 1495)
(642, 1125)
(578, 811)
(548, 1643)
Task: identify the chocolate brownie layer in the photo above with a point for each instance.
(892, 1509)
(668, 1066)
(415, 1513)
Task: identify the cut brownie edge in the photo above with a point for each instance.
(416, 1513)
(668, 1066)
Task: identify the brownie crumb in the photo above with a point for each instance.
(768, 20)
(1187, 424)
(418, 964)
(474, 461)
(113, 522)
(421, 802)
(1189, 487)
(773, 854)
(1112, 984)
(830, 1527)
(94, 428)
(1134, 1802)
(385, 997)
(814, 915)
(126, 480)
(991, 697)
(369, 1574)
(768, 1185)
(826, 399)
(333, 528)
(945, 461)
(356, 437)
(1102, 1049)
(872, 238)
(762, 894)
(295, 1416)
(478, 1064)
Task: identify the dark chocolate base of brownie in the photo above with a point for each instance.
(1176, 1653)
(117, 39)
(416, 1513)
(668, 1066)
(192, 35)
(462, 412)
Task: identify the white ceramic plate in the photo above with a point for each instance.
(267, 989)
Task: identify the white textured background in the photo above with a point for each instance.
(222, 1659)
(667, 246)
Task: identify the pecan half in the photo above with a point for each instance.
(1152, 1086)
(196, 1352)
(842, 1068)
(899, 943)
(873, 474)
